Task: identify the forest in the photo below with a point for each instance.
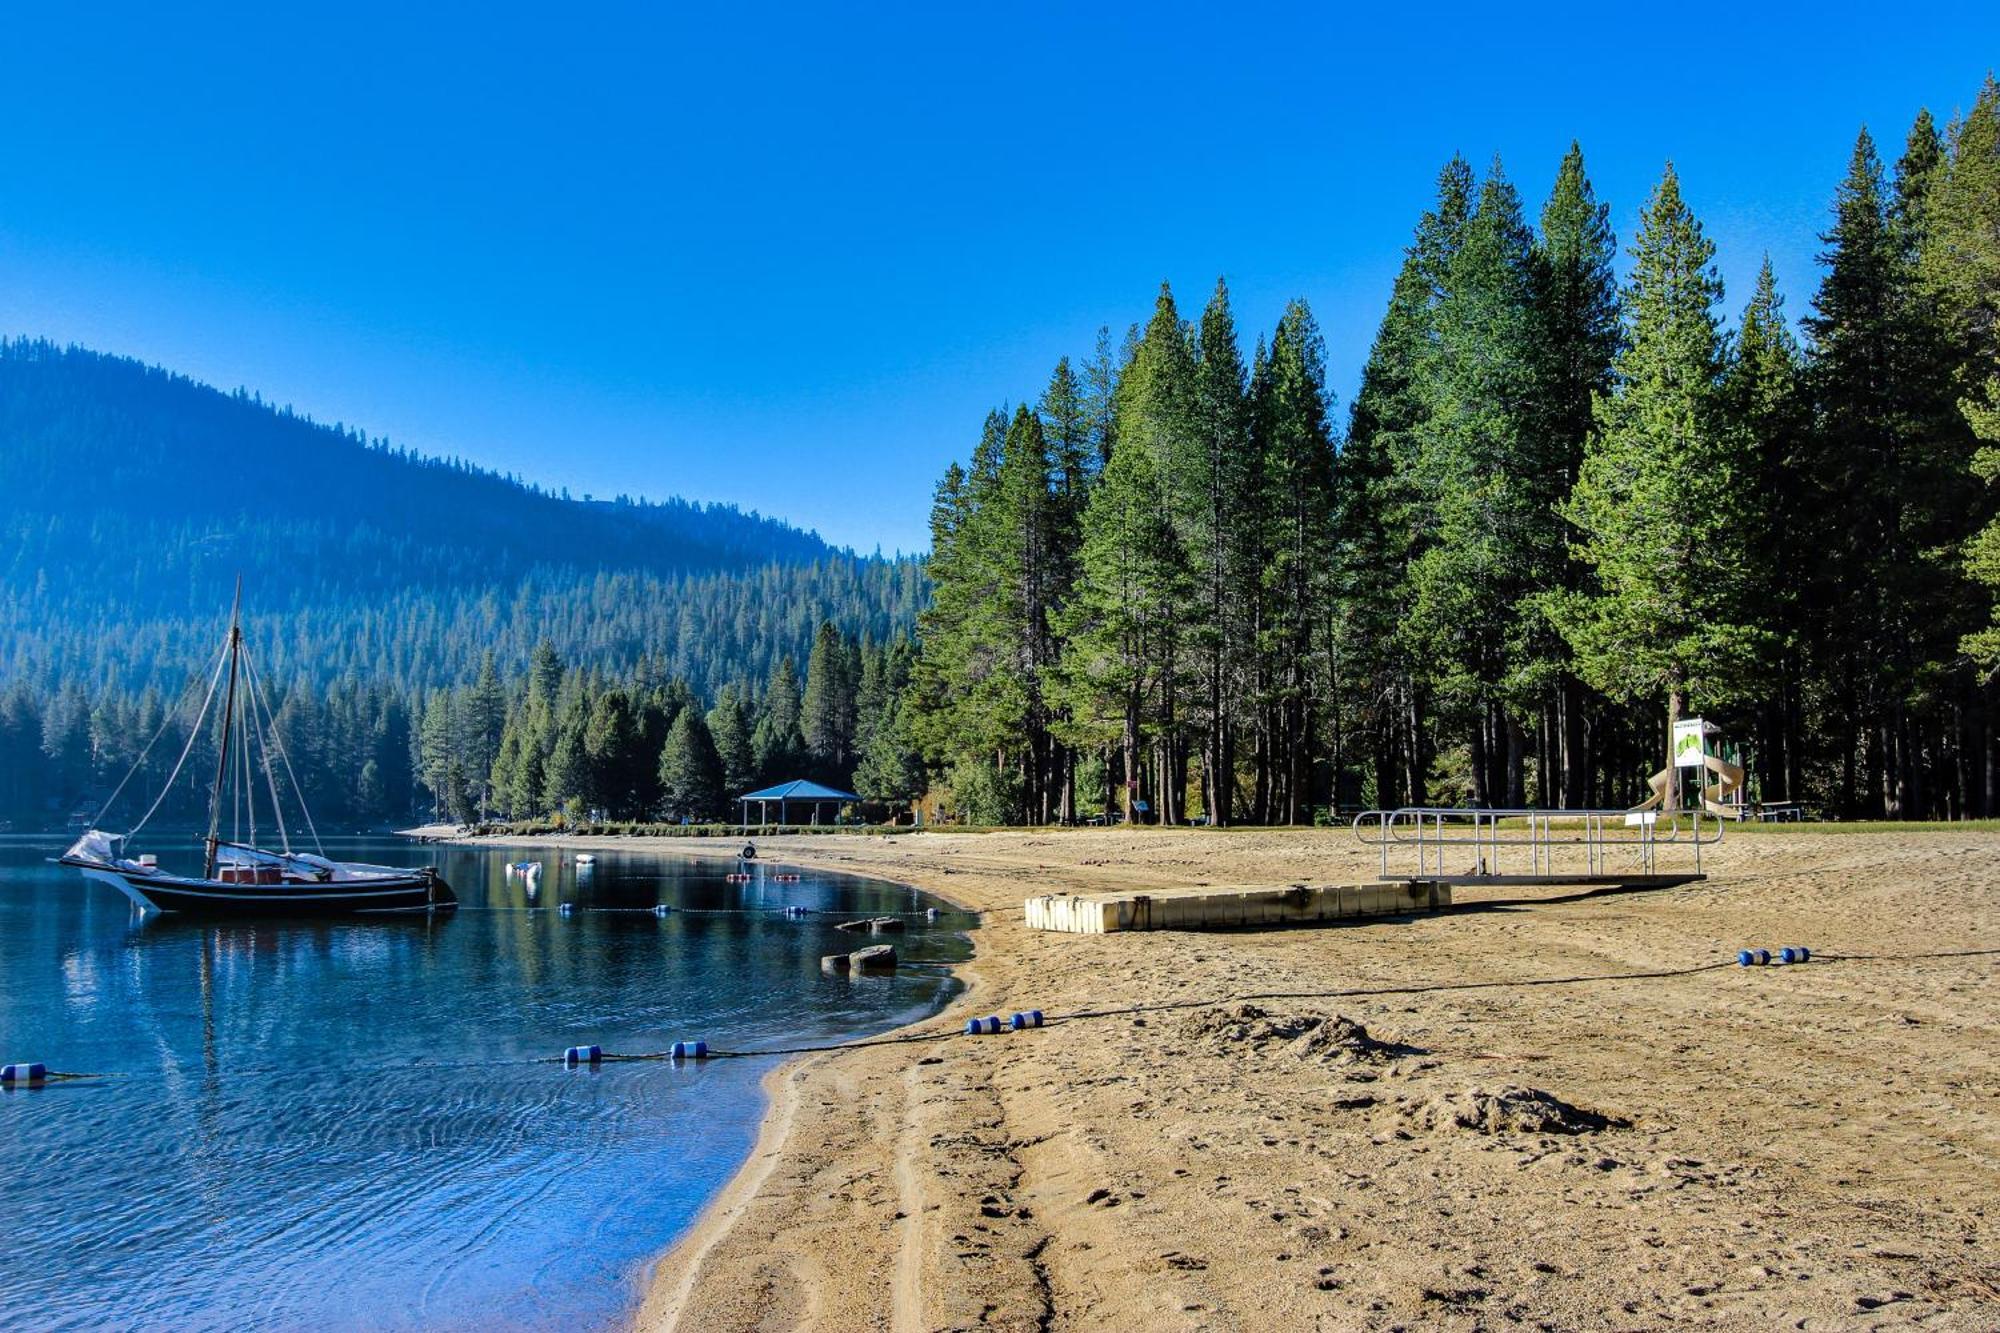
(1561, 509)
(375, 582)
(1574, 498)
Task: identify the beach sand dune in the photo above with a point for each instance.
(1814, 1146)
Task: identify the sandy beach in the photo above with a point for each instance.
(1814, 1146)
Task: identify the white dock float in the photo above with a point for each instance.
(1212, 908)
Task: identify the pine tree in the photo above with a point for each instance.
(1155, 414)
(730, 731)
(565, 774)
(1764, 391)
(1656, 501)
(1960, 259)
(1577, 311)
(1891, 461)
(1384, 523)
(1296, 454)
(1489, 495)
(1224, 542)
(778, 739)
(827, 713)
(482, 718)
(1117, 627)
(690, 770)
(617, 767)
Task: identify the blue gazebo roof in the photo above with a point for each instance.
(799, 790)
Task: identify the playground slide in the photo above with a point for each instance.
(1728, 780)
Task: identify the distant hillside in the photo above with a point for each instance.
(133, 498)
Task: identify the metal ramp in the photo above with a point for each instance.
(1546, 847)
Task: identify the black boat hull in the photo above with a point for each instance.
(420, 891)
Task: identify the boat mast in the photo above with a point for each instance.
(228, 720)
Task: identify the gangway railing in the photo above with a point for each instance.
(1536, 846)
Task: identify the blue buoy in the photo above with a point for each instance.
(37, 1072)
(661, 909)
(582, 1055)
(930, 914)
(1744, 958)
(566, 908)
(979, 1026)
(1031, 1019)
(1805, 954)
(1762, 956)
(690, 1050)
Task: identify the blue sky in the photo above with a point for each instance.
(789, 257)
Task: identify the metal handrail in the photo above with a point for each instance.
(1600, 833)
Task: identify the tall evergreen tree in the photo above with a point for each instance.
(1223, 541)
(690, 770)
(1656, 505)
(1764, 391)
(1577, 310)
(828, 710)
(1296, 452)
(1490, 497)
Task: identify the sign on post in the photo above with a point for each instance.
(1688, 734)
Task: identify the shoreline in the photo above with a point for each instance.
(1219, 1166)
(666, 1282)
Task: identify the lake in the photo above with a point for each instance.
(357, 1124)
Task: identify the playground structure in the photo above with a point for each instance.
(1697, 745)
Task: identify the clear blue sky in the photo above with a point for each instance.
(789, 257)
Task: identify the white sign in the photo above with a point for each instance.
(1688, 732)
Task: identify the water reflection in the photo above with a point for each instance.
(355, 1124)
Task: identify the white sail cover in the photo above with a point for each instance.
(100, 848)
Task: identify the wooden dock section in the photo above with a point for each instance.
(1225, 908)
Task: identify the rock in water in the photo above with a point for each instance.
(833, 964)
(874, 958)
(883, 924)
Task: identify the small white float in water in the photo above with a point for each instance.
(585, 859)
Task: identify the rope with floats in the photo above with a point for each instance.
(38, 1075)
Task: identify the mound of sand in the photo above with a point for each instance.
(1327, 1038)
(1508, 1111)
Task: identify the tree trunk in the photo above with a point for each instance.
(1673, 802)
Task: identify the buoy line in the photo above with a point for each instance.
(981, 1026)
(28, 1076)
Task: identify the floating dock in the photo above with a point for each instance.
(1222, 908)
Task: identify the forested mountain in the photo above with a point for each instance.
(1562, 511)
(372, 577)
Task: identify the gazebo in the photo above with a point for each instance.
(787, 794)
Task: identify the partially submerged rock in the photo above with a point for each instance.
(874, 958)
(874, 925)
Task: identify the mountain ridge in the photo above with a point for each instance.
(136, 495)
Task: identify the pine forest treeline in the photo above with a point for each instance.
(1562, 511)
(1577, 493)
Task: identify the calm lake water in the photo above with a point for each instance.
(349, 1124)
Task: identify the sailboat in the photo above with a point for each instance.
(239, 877)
